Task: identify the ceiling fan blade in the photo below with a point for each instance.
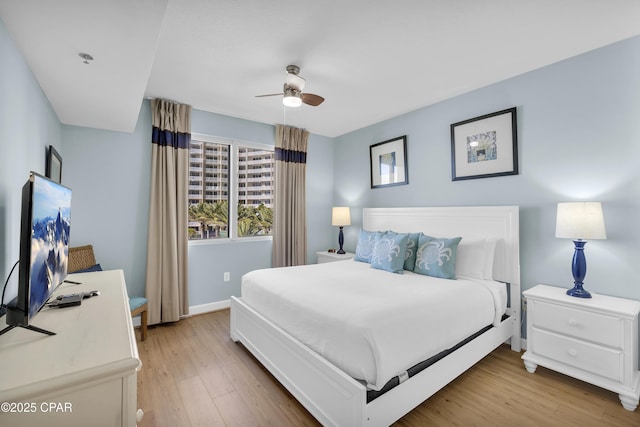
(312, 99)
(271, 94)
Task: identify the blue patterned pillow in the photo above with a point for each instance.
(389, 252)
(412, 248)
(437, 257)
(364, 248)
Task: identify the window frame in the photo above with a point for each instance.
(234, 145)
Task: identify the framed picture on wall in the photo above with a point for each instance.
(54, 165)
(389, 163)
(485, 146)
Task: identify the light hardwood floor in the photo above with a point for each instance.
(194, 375)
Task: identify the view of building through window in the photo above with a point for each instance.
(224, 174)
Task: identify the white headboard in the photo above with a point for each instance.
(468, 222)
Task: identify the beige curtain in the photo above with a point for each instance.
(290, 217)
(166, 285)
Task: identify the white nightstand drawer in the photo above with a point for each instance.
(603, 361)
(594, 327)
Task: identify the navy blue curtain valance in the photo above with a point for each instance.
(290, 156)
(168, 138)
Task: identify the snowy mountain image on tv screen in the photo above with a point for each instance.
(49, 239)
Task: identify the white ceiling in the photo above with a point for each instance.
(371, 59)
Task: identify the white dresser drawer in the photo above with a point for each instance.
(583, 324)
(603, 361)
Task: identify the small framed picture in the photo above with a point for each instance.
(54, 165)
(389, 163)
(485, 146)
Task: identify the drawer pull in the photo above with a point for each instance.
(572, 352)
(572, 322)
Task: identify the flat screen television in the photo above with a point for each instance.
(44, 249)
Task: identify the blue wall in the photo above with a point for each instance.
(28, 126)
(579, 139)
(109, 173)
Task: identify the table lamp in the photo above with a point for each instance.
(340, 217)
(579, 221)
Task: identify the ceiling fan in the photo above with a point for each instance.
(292, 91)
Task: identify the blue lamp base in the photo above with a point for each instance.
(579, 292)
(579, 270)
(341, 241)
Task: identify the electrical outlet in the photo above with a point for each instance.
(524, 304)
(227, 276)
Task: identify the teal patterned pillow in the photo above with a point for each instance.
(437, 257)
(389, 252)
(412, 249)
(364, 248)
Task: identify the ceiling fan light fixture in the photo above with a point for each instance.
(292, 95)
(292, 101)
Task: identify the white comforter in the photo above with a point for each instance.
(370, 323)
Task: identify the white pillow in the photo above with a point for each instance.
(475, 258)
(470, 260)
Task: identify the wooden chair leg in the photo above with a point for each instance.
(143, 325)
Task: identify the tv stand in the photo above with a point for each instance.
(30, 327)
(85, 374)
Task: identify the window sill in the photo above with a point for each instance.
(226, 241)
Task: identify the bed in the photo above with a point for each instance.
(338, 375)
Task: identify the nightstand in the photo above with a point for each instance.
(325, 256)
(592, 339)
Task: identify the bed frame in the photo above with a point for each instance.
(336, 399)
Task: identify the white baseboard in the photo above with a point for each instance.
(196, 309)
(207, 308)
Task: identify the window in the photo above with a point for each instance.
(229, 180)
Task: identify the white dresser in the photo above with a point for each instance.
(592, 339)
(85, 375)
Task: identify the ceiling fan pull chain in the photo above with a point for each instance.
(284, 115)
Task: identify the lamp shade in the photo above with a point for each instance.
(341, 216)
(580, 220)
